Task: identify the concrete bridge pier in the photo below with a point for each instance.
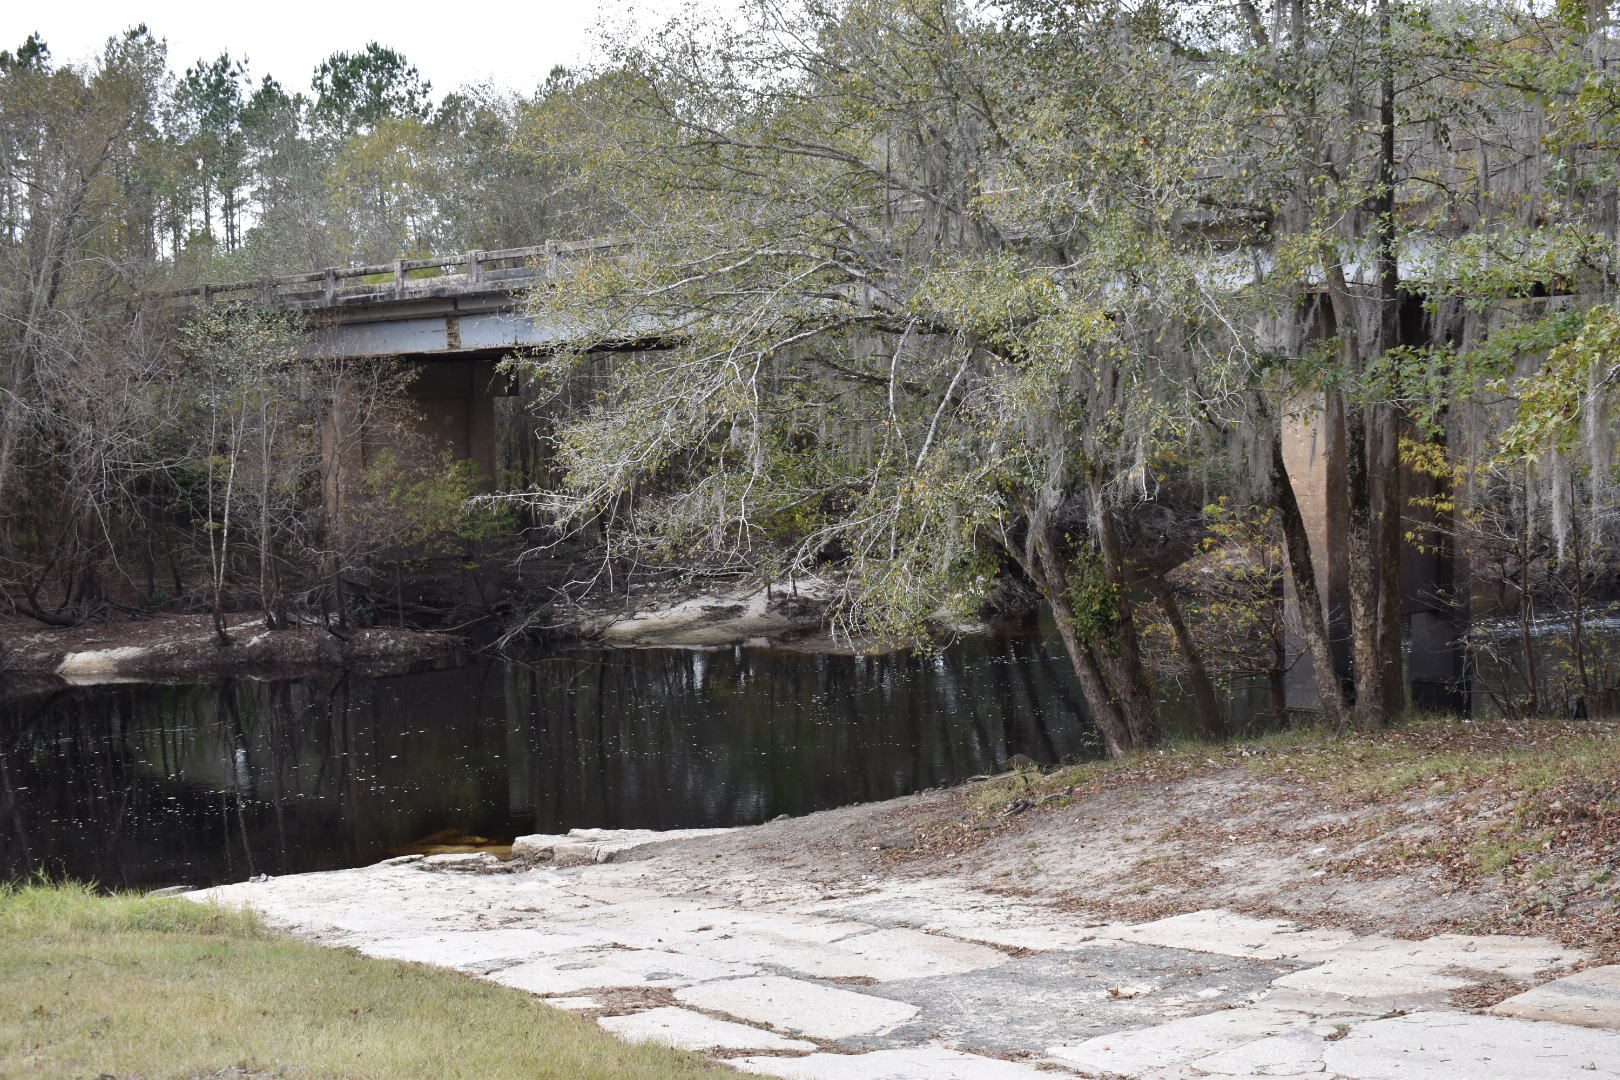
(1434, 600)
(454, 406)
(1313, 453)
(455, 403)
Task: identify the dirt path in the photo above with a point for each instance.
(1146, 846)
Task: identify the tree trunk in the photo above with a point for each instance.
(1391, 622)
(267, 598)
(1105, 715)
(1048, 573)
(1277, 681)
(1366, 656)
(1384, 424)
(1122, 657)
(1210, 718)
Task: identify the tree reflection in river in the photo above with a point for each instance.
(141, 785)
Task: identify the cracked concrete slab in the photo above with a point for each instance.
(928, 1063)
(911, 954)
(1314, 1004)
(1230, 934)
(822, 1012)
(1294, 1053)
(705, 929)
(1376, 978)
(949, 906)
(1589, 998)
(1127, 1052)
(571, 972)
(1461, 1046)
(465, 949)
(1497, 954)
(1035, 1001)
(834, 949)
(690, 1030)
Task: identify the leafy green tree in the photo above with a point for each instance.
(354, 92)
(210, 104)
(936, 313)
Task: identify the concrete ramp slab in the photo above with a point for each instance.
(689, 1030)
(1589, 998)
(930, 1063)
(467, 949)
(569, 973)
(822, 1012)
(1462, 1046)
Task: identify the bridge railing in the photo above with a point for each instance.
(404, 279)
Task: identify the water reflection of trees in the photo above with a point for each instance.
(673, 739)
(143, 784)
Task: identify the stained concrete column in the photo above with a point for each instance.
(1313, 453)
(1434, 584)
(343, 458)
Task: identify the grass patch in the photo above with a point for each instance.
(125, 986)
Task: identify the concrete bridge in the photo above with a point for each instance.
(454, 317)
(451, 317)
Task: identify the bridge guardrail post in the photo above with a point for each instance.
(475, 267)
(329, 285)
(399, 279)
(551, 260)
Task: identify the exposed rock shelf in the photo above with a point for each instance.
(935, 978)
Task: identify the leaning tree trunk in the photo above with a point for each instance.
(1048, 572)
(1122, 656)
(1105, 714)
(1210, 717)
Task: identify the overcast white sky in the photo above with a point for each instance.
(512, 43)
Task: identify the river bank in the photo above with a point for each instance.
(171, 647)
(162, 648)
(1256, 910)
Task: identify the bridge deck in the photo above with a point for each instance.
(471, 274)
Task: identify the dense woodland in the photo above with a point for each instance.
(965, 308)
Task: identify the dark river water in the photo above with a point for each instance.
(143, 785)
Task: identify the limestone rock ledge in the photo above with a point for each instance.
(774, 615)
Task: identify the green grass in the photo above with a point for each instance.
(125, 986)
